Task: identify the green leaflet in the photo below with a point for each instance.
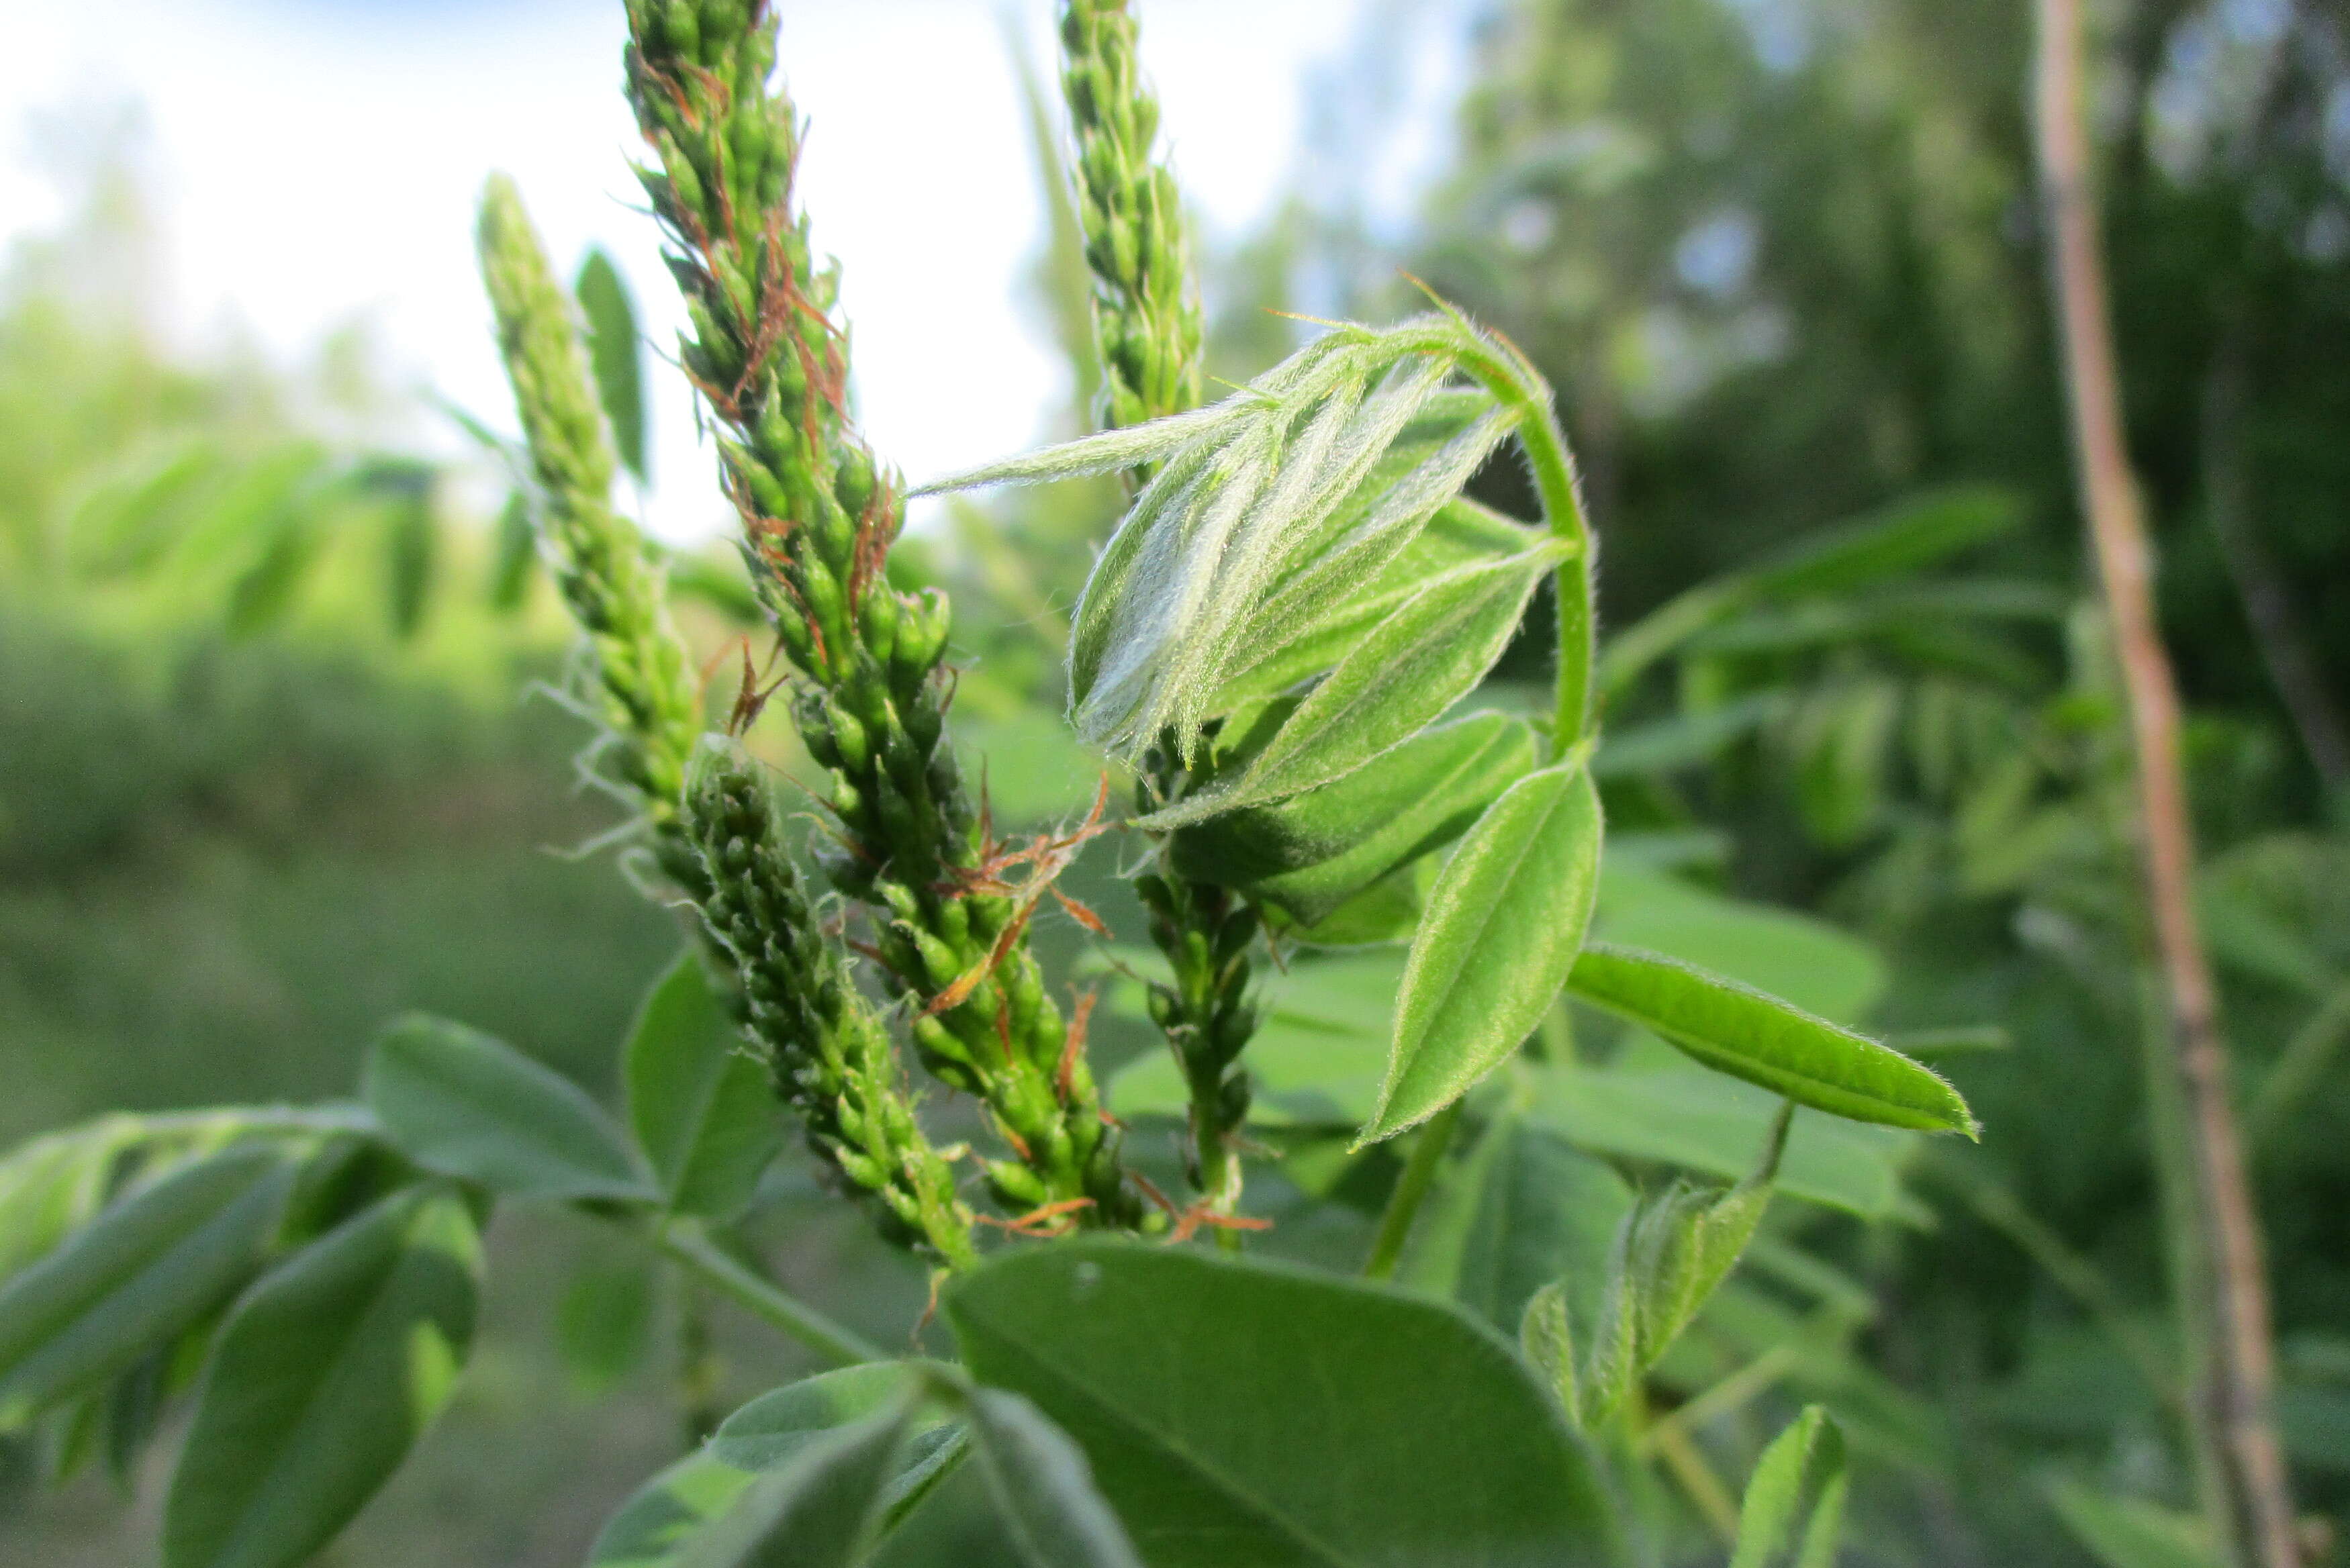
(460, 1103)
(1236, 1412)
(776, 1426)
(1305, 639)
(1501, 931)
(51, 1185)
(1671, 1250)
(616, 354)
(1794, 1500)
(1736, 1030)
(816, 1510)
(1042, 1488)
(604, 1324)
(327, 1373)
(701, 1106)
(657, 1525)
(1311, 853)
(149, 1267)
(1426, 655)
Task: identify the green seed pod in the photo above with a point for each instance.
(849, 737)
(1017, 1187)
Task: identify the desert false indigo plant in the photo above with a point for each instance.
(1277, 639)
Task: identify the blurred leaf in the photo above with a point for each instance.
(326, 1375)
(703, 1109)
(1499, 933)
(2126, 1533)
(1215, 1399)
(1043, 1487)
(656, 1527)
(51, 1187)
(604, 1324)
(1794, 1500)
(1786, 953)
(460, 1103)
(1663, 745)
(147, 1269)
(1703, 1122)
(515, 557)
(1735, 1029)
(412, 545)
(1525, 1208)
(616, 354)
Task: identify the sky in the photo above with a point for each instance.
(317, 161)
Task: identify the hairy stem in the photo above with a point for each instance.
(1427, 1149)
(1520, 387)
(2225, 1294)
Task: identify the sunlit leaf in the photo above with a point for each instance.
(1735, 1029)
(1250, 1413)
(1501, 931)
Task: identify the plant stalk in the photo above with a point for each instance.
(2224, 1299)
(1520, 387)
(688, 1247)
(1410, 1191)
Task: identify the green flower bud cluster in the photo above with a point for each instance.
(818, 516)
(1147, 328)
(1206, 931)
(828, 1049)
(1146, 313)
(646, 696)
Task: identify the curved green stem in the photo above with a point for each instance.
(1521, 389)
(1411, 1191)
(687, 1246)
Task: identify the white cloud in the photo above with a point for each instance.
(322, 159)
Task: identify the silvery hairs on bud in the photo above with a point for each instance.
(1274, 495)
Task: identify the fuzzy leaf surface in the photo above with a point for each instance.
(1246, 1413)
(1735, 1029)
(1794, 1500)
(462, 1103)
(1430, 652)
(327, 1373)
(1501, 931)
(1309, 855)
